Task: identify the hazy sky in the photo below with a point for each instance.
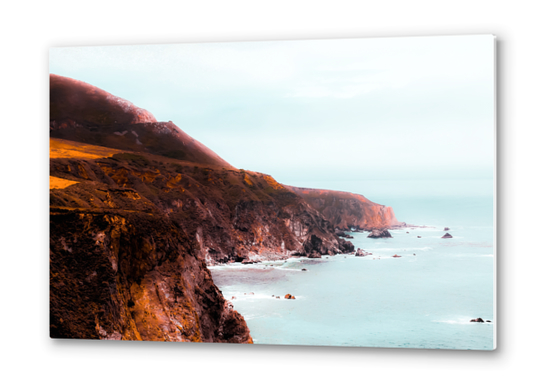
(315, 111)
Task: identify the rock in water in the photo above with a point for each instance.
(346, 246)
(379, 233)
(396, 255)
(360, 252)
(447, 236)
(478, 320)
(446, 228)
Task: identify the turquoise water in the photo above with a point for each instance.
(424, 299)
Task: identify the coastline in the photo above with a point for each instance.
(425, 299)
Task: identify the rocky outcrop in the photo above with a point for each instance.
(361, 253)
(446, 229)
(343, 234)
(447, 236)
(348, 211)
(132, 274)
(289, 297)
(346, 246)
(379, 233)
(314, 255)
(478, 320)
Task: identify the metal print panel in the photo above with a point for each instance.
(316, 192)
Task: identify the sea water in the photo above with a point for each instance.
(424, 299)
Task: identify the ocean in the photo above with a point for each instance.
(424, 299)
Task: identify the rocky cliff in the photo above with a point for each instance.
(347, 210)
(229, 214)
(131, 274)
(138, 211)
(132, 234)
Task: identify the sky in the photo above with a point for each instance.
(342, 113)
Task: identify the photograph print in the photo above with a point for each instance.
(334, 192)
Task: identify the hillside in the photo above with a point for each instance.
(84, 113)
(139, 209)
(119, 267)
(132, 234)
(346, 210)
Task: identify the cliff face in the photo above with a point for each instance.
(228, 214)
(120, 267)
(347, 210)
(132, 234)
(138, 211)
(130, 274)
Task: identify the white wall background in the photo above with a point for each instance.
(29, 29)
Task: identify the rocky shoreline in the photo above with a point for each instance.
(139, 210)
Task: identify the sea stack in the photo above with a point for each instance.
(447, 236)
(379, 233)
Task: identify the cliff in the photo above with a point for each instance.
(138, 211)
(229, 214)
(347, 210)
(132, 235)
(120, 267)
(130, 274)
